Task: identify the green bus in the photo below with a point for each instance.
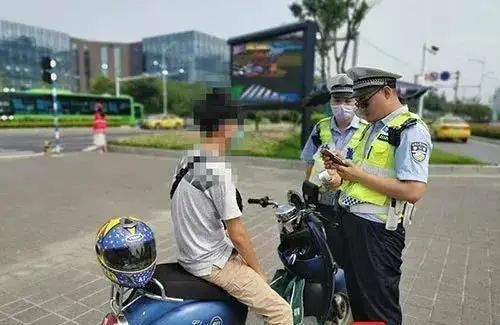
(36, 104)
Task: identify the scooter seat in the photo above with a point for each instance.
(179, 283)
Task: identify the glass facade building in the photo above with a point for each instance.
(21, 49)
(203, 57)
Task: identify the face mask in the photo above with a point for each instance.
(343, 113)
(237, 138)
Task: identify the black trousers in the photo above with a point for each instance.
(371, 257)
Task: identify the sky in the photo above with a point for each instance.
(391, 36)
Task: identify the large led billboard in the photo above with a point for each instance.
(274, 67)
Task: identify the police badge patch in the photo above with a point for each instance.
(419, 151)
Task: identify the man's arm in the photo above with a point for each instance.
(241, 240)
(308, 152)
(411, 191)
(224, 198)
(308, 170)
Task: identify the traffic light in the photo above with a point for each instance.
(48, 64)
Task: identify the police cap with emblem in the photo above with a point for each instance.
(369, 80)
(340, 86)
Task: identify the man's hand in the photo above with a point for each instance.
(351, 172)
(335, 181)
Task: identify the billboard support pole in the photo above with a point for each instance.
(309, 46)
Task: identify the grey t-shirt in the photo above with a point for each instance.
(204, 197)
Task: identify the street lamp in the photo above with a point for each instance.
(432, 50)
(164, 73)
(483, 65)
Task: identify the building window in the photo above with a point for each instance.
(104, 60)
(117, 53)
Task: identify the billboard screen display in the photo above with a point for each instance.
(269, 71)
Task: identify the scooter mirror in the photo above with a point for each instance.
(295, 199)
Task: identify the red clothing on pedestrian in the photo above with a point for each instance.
(100, 124)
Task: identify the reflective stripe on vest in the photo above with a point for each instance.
(379, 160)
(326, 136)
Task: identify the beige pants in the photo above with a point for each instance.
(243, 283)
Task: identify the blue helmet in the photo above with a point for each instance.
(126, 251)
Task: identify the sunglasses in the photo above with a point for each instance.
(363, 103)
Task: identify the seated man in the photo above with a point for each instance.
(205, 202)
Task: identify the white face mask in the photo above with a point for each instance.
(343, 113)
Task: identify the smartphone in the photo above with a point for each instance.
(334, 158)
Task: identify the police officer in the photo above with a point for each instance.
(333, 132)
(387, 174)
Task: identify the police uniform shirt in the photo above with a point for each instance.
(340, 139)
(411, 157)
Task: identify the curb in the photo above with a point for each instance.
(487, 140)
(298, 164)
(31, 155)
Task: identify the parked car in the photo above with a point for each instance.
(450, 128)
(161, 121)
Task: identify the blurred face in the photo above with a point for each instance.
(368, 108)
(229, 128)
(232, 132)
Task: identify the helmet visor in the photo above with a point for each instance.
(135, 257)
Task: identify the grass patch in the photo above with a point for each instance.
(175, 140)
(267, 143)
(486, 130)
(440, 157)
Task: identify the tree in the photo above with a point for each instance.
(181, 96)
(102, 85)
(333, 17)
(147, 91)
(434, 102)
(472, 112)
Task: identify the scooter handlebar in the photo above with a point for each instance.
(254, 201)
(263, 202)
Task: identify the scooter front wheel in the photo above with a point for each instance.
(342, 309)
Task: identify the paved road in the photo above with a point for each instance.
(31, 140)
(51, 208)
(481, 150)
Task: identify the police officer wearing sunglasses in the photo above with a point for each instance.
(386, 174)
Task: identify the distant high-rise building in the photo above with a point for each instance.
(21, 49)
(201, 56)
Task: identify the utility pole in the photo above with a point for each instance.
(457, 82)
(433, 50)
(164, 73)
(355, 50)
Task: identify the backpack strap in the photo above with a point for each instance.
(180, 175)
(183, 172)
